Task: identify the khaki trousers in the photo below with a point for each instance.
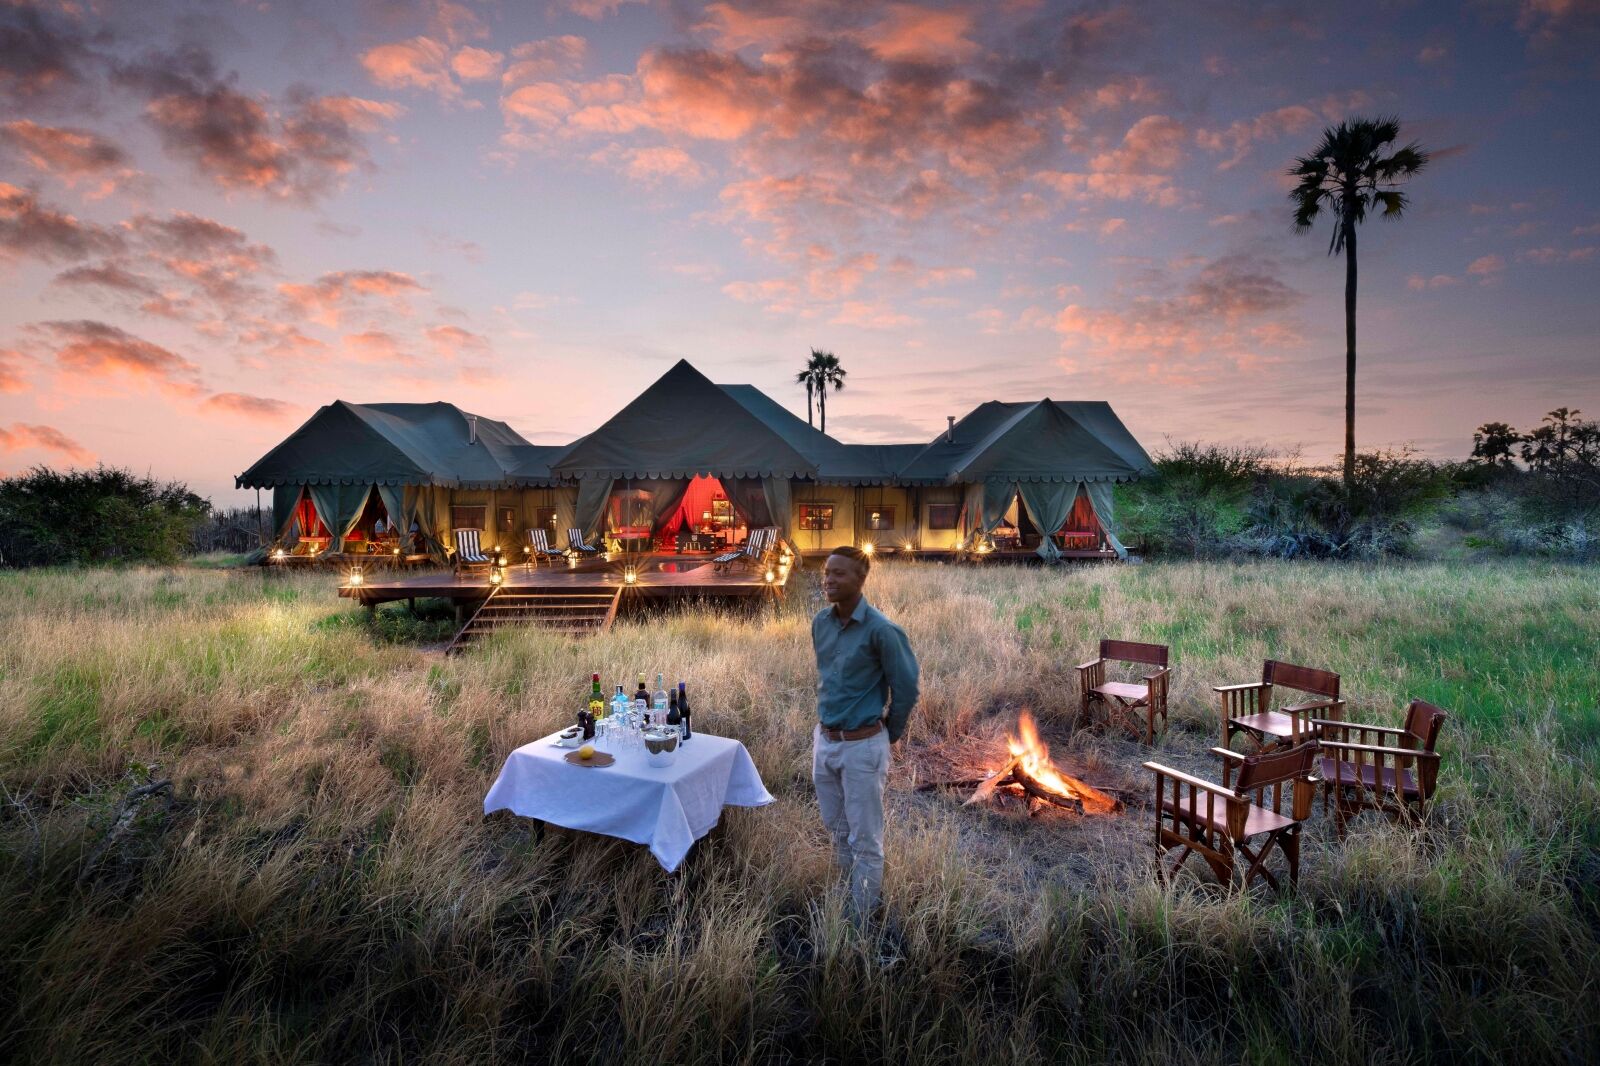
(849, 777)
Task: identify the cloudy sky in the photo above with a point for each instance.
(215, 218)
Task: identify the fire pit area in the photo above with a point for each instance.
(1020, 774)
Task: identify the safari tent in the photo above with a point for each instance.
(690, 465)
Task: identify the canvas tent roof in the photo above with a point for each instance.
(400, 444)
(681, 426)
(1045, 440)
(684, 425)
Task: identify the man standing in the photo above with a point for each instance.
(864, 662)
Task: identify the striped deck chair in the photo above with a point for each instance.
(753, 552)
(538, 546)
(469, 552)
(576, 543)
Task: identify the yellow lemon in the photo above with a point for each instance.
(586, 752)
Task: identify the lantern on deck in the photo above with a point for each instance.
(356, 578)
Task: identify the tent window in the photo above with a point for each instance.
(816, 516)
(943, 515)
(506, 519)
(545, 517)
(468, 517)
(880, 518)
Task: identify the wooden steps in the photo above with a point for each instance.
(580, 612)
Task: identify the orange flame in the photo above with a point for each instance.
(1033, 756)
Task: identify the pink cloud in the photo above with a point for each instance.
(653, 165)
(1154, 143)
(1221, 316)
(297, 151)
(11, 363)
(476, 64)
(544, 59)
(1239, 137)
(1154, 189)
(377, 346)
(868, 315)
(451, 342)
(89, 349)
(419, 63)
(259, 408)
(20, 436)
(31, 228)
(1556, 255)
(327, 299)
(74, 156)
(1486, 266)
(1418, 283)
(908, 32)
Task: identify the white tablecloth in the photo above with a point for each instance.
(667, 807)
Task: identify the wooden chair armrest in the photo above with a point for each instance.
(1317, 705)
(1364, 727)
(1378, 749)
(1151, 677)
(1238, 688)
(1090, 664)
(1191, 780)
(1232, 761)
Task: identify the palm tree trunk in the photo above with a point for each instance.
(809, 420)
(822, 405)
(1349, 355)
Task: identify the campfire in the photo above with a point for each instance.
(1029, 771)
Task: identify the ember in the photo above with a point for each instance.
(1031, 770)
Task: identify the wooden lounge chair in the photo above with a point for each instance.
(537, 547)
(577, 543)
(1248, 709)
(469, 552)
(752, 553)
(1218, 822)
(1136, 706)
(1380, 768)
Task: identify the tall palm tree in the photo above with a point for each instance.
(806, 378)
(822, 371)
(1346, 175)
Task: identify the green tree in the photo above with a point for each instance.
(1348, 175)
(821, 371)
(1495, 443)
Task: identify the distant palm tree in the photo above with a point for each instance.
(822, 371)
(1348, 174)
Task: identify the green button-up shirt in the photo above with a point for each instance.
(861, 666)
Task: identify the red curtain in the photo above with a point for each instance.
(1082, 517)
(696, 502)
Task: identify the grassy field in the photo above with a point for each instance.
(321, 884)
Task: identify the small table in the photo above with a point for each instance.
(667, 808)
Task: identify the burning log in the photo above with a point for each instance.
(1031, 770)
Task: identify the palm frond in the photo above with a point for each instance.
(1393, 201)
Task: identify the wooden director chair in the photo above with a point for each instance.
(1219, 822)
(1133, 705)
(1248, 709)
(1380, 768)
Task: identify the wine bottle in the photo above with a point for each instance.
(683, 711)
(642, 693)
(674, 717)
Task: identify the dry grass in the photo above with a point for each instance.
(322, 886)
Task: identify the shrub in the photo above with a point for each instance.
(95, 516)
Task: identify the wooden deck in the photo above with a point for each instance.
(658, 577)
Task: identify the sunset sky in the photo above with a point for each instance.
(215, 218)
